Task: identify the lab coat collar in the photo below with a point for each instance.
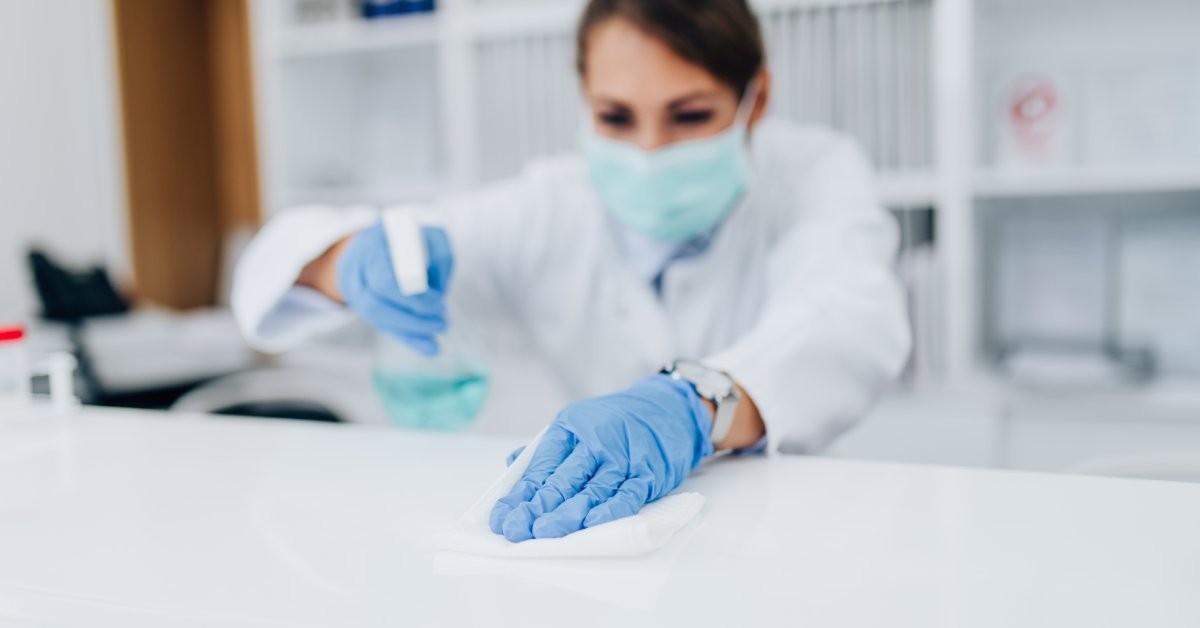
(648, 258)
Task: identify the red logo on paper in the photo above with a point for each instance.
(1033, 110)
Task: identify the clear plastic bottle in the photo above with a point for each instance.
(14, 367)
(444, 392)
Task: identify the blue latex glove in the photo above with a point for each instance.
(368, 284)
(604, 458)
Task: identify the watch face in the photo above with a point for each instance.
(709, 382)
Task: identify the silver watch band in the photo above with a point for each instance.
(713, 385)
(726, 410)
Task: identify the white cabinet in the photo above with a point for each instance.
(360, 127)
(350, 110)
(1085, 120)
(928, 427)
(1152, 432)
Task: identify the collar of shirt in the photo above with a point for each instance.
(650, 258)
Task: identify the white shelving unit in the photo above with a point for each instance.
(480, 86)
(530, 41)
(1083, 182)
(908, 191)
(352, 36)
(1121, 167)
(508, 19)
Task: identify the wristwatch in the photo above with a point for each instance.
(713, 385)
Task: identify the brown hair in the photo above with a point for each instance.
(721, 36)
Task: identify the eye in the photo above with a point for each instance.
(616, 118)
(693, 117)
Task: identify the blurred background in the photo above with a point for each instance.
(1042, 158)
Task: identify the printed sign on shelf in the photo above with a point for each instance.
(1036, 122)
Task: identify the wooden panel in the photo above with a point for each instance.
(169, 150)
(233, 108)
(189, 140)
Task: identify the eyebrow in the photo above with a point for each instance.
(683, 100)
(674, 104)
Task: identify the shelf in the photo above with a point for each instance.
(504, 20)
(766, 6)
(907, 190)
(1084, 182)
(360, 35)
(415, 190)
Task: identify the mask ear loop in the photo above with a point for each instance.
(746, 106)
(742, 118)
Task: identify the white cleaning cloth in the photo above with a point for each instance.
(640, 534)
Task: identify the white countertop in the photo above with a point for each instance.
(124, 518)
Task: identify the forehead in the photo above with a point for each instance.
(624, 63)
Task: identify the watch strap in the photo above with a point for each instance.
(726, 403)
(726, 410)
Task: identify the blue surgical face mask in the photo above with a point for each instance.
(677, 192)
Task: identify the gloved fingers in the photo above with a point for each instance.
(550, 453)
(556, 445)
(521, 492)
(375, 268)
(425, 345)
(627, 501)
(516, 453)
(569, 516)
(373, 238)
(441, 258)
(564, 483)
(417, 322)
(353, 263)
(349, 282)
(388, 318)
(379, 279)
(428, 305)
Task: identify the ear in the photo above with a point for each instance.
(763, 80)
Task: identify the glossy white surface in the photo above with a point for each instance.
(138, 519)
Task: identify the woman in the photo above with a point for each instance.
(690, 228)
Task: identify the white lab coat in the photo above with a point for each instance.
(795, 296)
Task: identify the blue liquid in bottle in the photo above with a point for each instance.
(431, 402)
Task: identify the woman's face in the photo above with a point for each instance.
(643, 93)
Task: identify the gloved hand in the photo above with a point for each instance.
(368, 285)
(604, 458)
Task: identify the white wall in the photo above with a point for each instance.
(60, 155)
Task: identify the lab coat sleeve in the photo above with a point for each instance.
(834, 331)
(272, 312)
(487, 230)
